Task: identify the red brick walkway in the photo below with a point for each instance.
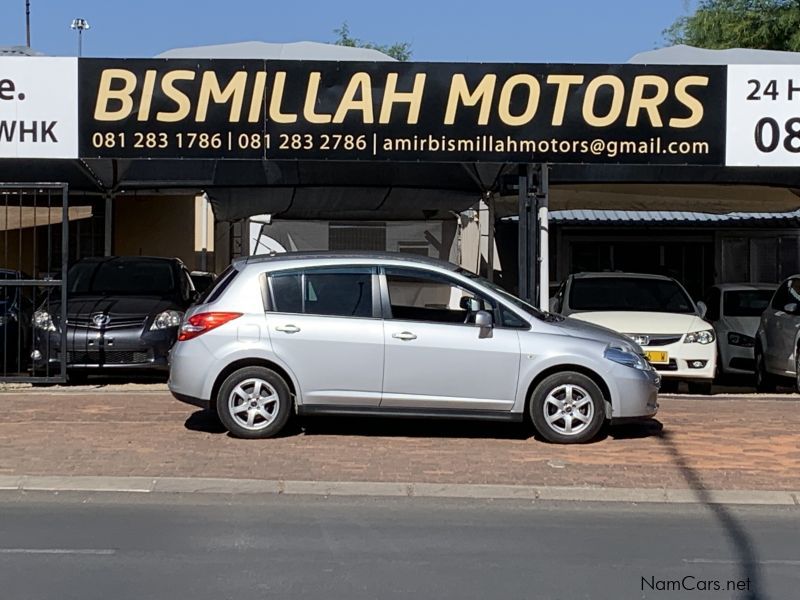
(720, 443)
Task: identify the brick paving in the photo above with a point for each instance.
(719, 442)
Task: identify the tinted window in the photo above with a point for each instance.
(123, 277)
(215, 291)
(420, 296)
(287, 293)
(628, 294)
(745, 303)
(342, 294)
(339, 293)
(788, 292)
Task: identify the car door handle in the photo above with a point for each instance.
(288, 328)
(405, 336)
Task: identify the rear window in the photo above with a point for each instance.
(745, 303)
(122, 277)
(213, 292)
(629, 294)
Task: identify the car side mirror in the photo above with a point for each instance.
(483, 319)
(791, 308)
(702, 309)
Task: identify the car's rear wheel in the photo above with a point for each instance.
(765, 382)
(254, 403)
(567, 408)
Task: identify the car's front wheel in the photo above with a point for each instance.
(254, 402)
(765, 382)
(567, 408)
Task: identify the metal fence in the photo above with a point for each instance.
(34, 252)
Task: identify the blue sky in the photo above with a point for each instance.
(466, 30)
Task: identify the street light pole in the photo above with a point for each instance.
(28, 22)
(80, 25)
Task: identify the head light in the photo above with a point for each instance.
(700, 337)
(627, 357)
(167, 319)
(42, 320)
(740, 339)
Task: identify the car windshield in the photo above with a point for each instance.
(507, 296)
(628, 294)
(745, 303)
(122, 277)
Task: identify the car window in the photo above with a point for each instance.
(327, 292)
(416, 295)
(558, 299)
(215, 291)
(788, 293)
(745, 303)
(628, 294)
(123, 276)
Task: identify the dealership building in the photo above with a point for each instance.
(682, 161)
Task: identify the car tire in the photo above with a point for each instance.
(254, 403)
(765, 382)
(797, 370)
(558, 399)
(700, 388)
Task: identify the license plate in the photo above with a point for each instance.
(657, 357)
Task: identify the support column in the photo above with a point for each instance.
(527, 228)
(542, 201)
(490, 216)
(108, 226)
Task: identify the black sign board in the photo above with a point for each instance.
(438, 112)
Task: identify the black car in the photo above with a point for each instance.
(16, 310)
(123, 314)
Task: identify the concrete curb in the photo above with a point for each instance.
(199, 485)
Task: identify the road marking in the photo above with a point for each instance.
(88, 551)
(715, 561)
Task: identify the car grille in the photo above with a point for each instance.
(671, 366)
(116, 322)
(109, 357)
(657, 339)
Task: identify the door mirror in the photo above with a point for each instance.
(483, 319)
(702, 309)
(791, 308)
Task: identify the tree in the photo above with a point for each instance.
(399, 50)
(761, 24)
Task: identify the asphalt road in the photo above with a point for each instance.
(118, 547)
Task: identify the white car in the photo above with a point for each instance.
(654, 311)
(735, 311)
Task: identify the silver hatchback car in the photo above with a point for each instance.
(397, 335)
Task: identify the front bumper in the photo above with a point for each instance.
(88, 349)
(687, 362)
(634, 393)
(737, 360)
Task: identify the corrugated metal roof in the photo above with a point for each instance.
(689, 55)
(18, 51)
(585, 217)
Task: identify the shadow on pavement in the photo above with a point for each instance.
(398, 427)
(635, 431)
(743, 546)
(205, 421)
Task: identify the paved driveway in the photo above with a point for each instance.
(721, 442)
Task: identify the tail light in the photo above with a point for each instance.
(202, 322)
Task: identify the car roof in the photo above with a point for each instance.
(339, 256)
(617, 274)
(100, 259)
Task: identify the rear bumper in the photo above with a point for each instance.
(199, 402)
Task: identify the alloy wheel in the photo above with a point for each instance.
(254, 404)
(568, 409)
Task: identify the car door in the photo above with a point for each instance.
(325, 325)
(435, 357)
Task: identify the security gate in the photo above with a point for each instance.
(34, 252)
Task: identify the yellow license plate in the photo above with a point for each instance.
(657, 357)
